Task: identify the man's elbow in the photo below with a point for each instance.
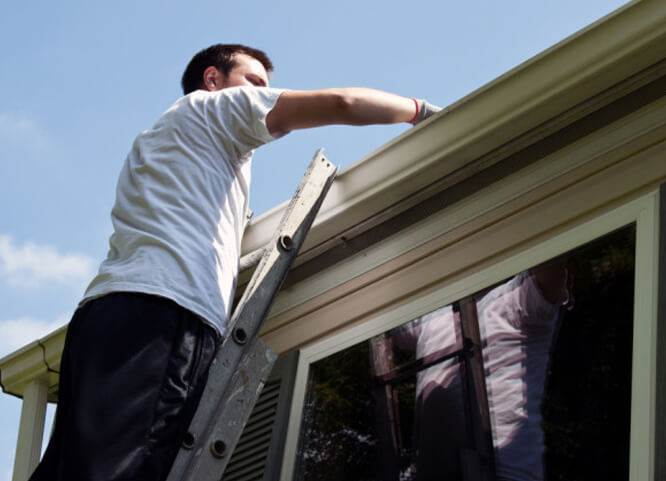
(343, 106)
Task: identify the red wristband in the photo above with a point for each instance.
(416, 103)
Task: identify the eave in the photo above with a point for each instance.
(482, 127)
(38, 360)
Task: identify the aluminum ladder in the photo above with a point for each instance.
(243, 361)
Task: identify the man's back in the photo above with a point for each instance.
(182, 199)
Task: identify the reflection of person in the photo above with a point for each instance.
(138, 348)
(440, 430)
(518, 320)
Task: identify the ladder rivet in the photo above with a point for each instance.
(188, 441)
(286, 242)
(218, 448)
(239, 335)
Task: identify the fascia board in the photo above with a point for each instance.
(53, 345)
(623, 43)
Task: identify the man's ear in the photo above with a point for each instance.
(212, 79)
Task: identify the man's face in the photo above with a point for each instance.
(247, 71)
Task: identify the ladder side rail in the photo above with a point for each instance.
(478, 463)
(234, 408)
(387, 416)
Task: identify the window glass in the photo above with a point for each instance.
(529, 379)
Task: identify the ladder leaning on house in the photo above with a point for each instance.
(243, 361)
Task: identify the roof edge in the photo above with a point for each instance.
(32, 361)
(617, 46)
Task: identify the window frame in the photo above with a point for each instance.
(643, 211)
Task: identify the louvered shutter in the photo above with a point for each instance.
(258, 454)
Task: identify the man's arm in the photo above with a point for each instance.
(351, 106)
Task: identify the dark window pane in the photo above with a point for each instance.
(338, 435)
(587, 404)
(554, 379)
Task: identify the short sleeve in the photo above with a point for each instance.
(240, 116)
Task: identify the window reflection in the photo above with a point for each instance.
(519, 319)
(420, 403)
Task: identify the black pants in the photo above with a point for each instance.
(133, 370)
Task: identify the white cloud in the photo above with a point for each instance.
(31, 265)
(19, 129)
(16, 333)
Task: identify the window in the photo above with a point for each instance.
(556, 345)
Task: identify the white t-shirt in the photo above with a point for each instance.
(517, 325)
(181, 202)
(440, 334)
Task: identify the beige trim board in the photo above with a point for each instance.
(660, 362)
(641, 210)
(571, 198)
(644, 359)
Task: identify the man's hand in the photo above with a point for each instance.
(351, 106)
(425, 110)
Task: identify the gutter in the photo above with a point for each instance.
(603, 54)
(39, 359)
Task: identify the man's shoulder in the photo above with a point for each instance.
(222, 100)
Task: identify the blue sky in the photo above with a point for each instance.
(81, 78)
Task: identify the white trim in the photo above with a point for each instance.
(642, 211)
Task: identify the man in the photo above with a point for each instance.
(138, 348)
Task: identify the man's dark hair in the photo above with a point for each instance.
(220, 56)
